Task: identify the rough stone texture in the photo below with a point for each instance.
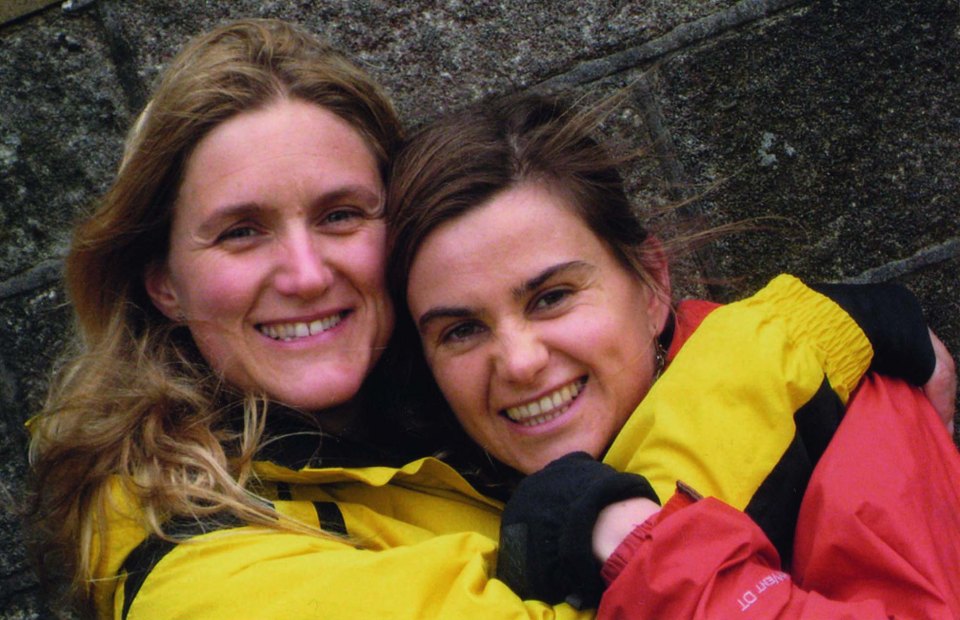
(12, 9)
(841, 119)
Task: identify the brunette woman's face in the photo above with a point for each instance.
(276, 255)
(541, 341)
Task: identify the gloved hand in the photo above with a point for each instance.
(892, 319)
(546, 534)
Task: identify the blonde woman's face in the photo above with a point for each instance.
(541, 341)
(276, 256)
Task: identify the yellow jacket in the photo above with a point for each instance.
(422, 543)
(749, 403)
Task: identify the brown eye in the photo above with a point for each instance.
(551, 298)
(460, 333)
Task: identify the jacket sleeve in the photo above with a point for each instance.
(405, 543)
(752, 373)
(250, 572)
(770, 375)
(891, 317)
(707, 561)
(876, 536)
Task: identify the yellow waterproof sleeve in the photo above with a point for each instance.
(722, 415)
(421, 543)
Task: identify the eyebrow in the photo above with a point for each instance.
(538, 280)
(209, 227)
(242, 210)
(358, 192)
(444, 312)
(519, 292)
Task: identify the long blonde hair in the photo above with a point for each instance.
(135, 402)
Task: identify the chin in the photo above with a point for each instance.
(318, 395)
(532, 466)
(327, 399)
(550, 455)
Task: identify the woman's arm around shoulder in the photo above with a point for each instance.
(251, 572)
(704, 560)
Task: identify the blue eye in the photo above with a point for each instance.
(238, 232)
(341, 217)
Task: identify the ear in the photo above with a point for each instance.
(156, 279)
(658, 269)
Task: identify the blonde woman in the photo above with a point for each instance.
(226, 441)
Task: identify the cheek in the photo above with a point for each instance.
(364, 259)
(218, 293)
(216, 297)
(369, 252)
(625, 361)
(367, 265)
(632, 383)
(461, 388)
(370, 280)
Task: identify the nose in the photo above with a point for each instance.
(303, 268)
(521, 355)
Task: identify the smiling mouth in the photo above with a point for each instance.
(547, 407)
(301, 329)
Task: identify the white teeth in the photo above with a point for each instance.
(292, 331)
(541, 419)
(547, 407)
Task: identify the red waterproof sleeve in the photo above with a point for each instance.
(881, 515)
(878, 535)
(709, 561)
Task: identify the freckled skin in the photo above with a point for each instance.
(497, 334)
(277, 222)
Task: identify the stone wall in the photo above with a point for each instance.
(837, 121)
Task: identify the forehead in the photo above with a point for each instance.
(514, 236)
(287, 140)
(526, 214)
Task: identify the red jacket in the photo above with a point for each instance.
(878, 534)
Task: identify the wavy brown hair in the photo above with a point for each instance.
(135, 405)
(462, 161)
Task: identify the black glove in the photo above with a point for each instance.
(546, 535)
(892, 319)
